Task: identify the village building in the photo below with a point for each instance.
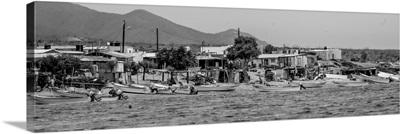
(207, 61)
(328, 54)
(91, 49)
(215, 50)
(151, 57)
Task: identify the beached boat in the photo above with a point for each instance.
(161, 86)
(135, 90)
(388, 75)
(69, 94)
(353, 84)
(347, 82)
(138, 86)
(311, 84)
(43, 100)
(335, 76)
(216, 88)
(372, 79)
(119, 85)
(263, 88)
(282, 84)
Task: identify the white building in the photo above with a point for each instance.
(215, 50)
(328, 54)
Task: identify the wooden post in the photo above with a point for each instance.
(172, 76)
(162, 76)
(187, 77)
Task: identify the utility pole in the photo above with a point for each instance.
(123, 37)
(238, 32)
(157, 37)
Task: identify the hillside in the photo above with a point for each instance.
(59, 20)
(373, 55)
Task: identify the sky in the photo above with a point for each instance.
(278, 27)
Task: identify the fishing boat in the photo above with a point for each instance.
(43, 100)
(69, 94)
(353, 84)
(311, 84)
(388, 76)
(263, 88)
(161, 86)
(135, 90)
(347, 82)
(335, 76)
(282, 84)
(119, 85)
(138, 86)
(216, 88)
(372, 79)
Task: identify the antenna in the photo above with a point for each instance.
(123, 37)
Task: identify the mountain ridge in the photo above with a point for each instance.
(60, 19)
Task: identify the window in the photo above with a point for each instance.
(273, 61)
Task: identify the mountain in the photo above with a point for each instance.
(60, 20)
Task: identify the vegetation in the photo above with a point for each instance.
(244, 50)
(179, 59)
(372, 55)
(59, 64)
(268, 49)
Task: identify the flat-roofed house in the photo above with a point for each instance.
(269, 59)
(215, 50)
(328, 54)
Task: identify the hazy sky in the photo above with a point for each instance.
(293, 28)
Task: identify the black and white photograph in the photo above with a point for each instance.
(96, 66)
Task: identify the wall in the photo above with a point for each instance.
(216, 50)
(337, 54)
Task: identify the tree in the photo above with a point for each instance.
(244, 50)
(146, 65)
(179, 59)
(134, 68)
(364, 56)
(268, 49)
(59, 64)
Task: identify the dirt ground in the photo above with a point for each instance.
(242, 105)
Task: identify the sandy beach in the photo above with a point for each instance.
(243, 105)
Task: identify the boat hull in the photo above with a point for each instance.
(354, 84)
(308, 84)
(40, 100)
(134, 90)
(216, 88)
(347, 82)
(372, 79)
(262, 88)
